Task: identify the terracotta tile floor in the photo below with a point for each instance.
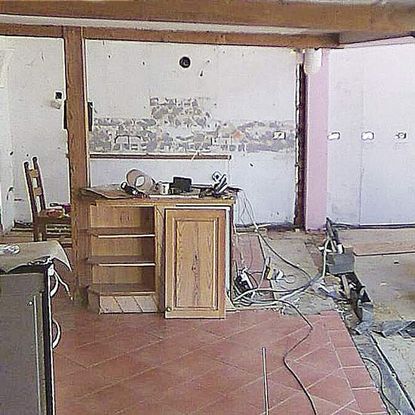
(144, 364)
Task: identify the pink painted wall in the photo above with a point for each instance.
(317, 131)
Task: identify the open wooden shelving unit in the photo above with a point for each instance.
(160, 254)
(122, 257)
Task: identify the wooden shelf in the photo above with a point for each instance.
(120, 289)
(161, 156)
(120, 233)
(120, 261)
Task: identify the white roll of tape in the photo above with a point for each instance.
(140, 180)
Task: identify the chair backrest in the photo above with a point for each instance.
(34, 187)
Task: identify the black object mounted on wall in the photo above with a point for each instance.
(184, 62)
(90, 116)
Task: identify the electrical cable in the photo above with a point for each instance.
(292, 291)
(251, 253)
(292, 348)
(288, 278)
(382, 391)
(241, 301)
(289, 292)
(260, 290)
(283, 259)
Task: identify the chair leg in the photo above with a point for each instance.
(44, 233)
(35, 232)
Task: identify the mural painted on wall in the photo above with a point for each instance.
(185, 126)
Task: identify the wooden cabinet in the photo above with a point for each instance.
(195, 263)
(156, 254)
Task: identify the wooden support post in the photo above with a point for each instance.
(77, 125)
(301, 154)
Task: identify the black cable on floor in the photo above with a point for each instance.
(292, 348)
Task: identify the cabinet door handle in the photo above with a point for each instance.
(55, 288)
(57, 339)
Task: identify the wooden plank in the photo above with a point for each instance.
(34, 174)
(322, 16)
(125, 232)
(160, 156)
(119, 303)
(108, 305)
(77, 125)
(147, 303)
(38, 191)
(104, 215)
(142, 247)
(120, 289)
(120, 260)
(121, 274)
(160, 246)
(213, 38)
(7, 29)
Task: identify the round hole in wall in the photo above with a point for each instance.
(184, 62)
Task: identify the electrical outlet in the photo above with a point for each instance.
(335, 135)
(401, 135)
(279, 135)
(368, 136)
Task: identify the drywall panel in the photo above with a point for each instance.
(6, 156)
(36, 72)
(230, 100)
(388, 174)
(371, 180)
(345, 125)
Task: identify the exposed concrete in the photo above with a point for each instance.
(390, 282)
(299, 248)
(401, 354)
(390, 279)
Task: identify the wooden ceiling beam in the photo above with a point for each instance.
(213, 38)
(320, 17)
(30, 30)
(170, 36)
(353, 38)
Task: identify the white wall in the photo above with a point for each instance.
(36, 72)
(372, 89)
(238, 83)
(6, 158)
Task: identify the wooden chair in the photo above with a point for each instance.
(41, 215)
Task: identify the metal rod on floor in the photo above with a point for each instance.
(265, 377)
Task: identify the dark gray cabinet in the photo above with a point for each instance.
(26, 372)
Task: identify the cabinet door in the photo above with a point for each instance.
(195, 263)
